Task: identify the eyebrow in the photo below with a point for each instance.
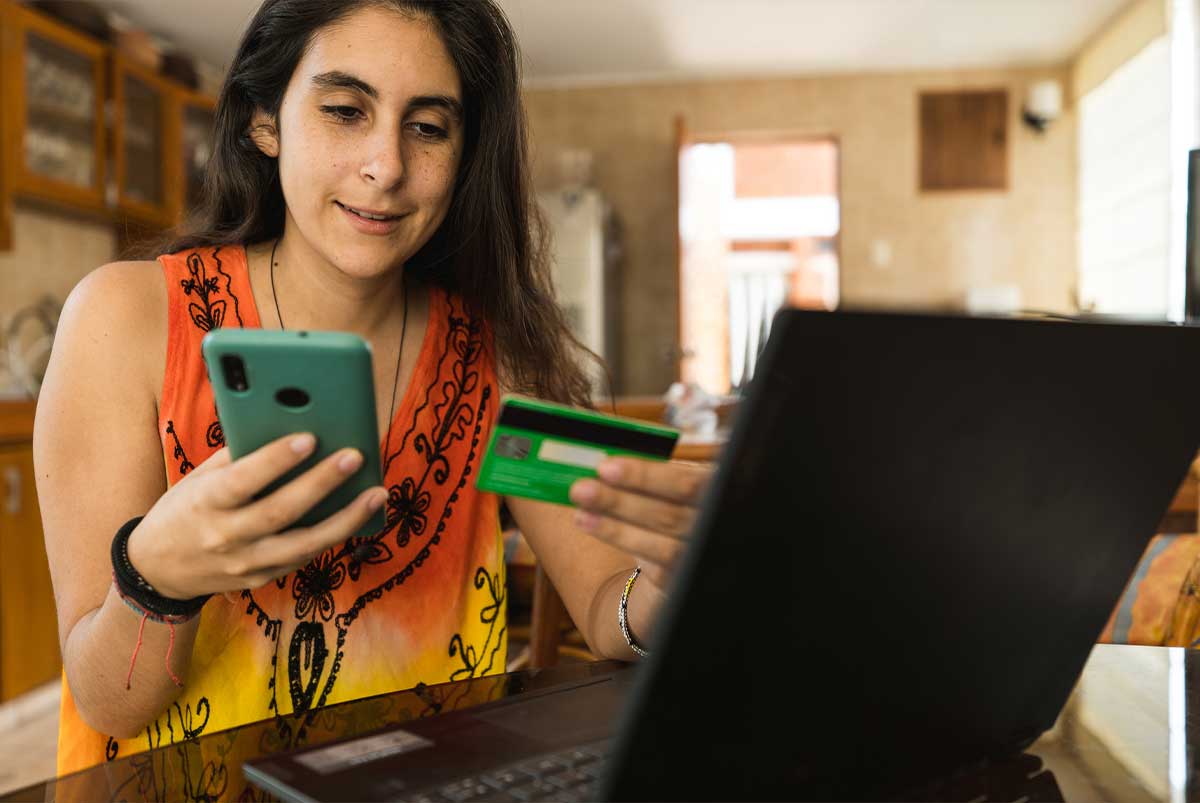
(336, 79)
(444, 102)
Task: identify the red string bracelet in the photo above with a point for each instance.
(169, 621)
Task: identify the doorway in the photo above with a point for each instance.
(759, 219)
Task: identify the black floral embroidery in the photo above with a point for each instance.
(367, 551)
(306, 663)
(406, 510)
(209, 314)
(314, 584)
(185, 465)
(471, 657)
(215, 436)
(450, 408)
(453, 407)
(271, 629)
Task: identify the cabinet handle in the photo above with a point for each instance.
(12, 481)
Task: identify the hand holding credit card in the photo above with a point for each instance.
(538, 449)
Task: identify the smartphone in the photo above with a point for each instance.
(539, 449)
(271, 383)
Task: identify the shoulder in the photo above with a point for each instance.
(119, 294)
(116, 315)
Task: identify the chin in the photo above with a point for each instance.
(368, 263)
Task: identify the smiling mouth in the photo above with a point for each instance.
(367, 215)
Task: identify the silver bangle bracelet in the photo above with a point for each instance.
(623, 614)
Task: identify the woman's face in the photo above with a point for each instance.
(370, 137)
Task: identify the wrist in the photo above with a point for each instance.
(139, 592)
(635, 619)
(645, 600)
(141, 562)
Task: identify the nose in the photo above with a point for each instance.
(384, 166)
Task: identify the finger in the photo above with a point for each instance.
(673, 480)
(647, 547)
(647, 512)
(245, 477)
(218, 459)
(289, 550)
(281, 508)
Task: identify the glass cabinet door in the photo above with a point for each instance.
(59, 136)
(197, 142)
(140, 142)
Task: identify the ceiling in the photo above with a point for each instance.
(599, 41)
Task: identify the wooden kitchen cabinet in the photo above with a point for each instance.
(83, 128)
(29, 654)
(146, 132)
(54, 135)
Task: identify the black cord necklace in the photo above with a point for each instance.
(387, 441)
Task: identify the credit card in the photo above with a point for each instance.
(538, 449)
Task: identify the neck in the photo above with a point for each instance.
(310, 293)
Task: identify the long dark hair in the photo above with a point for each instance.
(491, 249)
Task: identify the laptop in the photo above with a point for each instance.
(917, 531)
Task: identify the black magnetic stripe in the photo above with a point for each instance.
(561, 426)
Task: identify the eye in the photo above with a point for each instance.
(429, 130)
(343, 114)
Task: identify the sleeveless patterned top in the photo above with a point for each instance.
(420, 602)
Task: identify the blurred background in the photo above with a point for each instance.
(700, 163)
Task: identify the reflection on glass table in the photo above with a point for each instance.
(1124, 734)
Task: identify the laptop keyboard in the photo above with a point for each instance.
(567, 776)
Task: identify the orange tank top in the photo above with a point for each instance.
(420, 602)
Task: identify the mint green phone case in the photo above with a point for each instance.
(297, 381)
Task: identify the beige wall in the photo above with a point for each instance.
(1117, 42)
(940, 243)
(51, 252)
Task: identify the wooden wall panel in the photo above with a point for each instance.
(964, 140)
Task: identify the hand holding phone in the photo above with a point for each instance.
(301, 471)
(214, 531)
(269, 384)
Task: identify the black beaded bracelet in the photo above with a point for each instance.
(138, 593)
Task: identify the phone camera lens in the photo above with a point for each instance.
(235, 372)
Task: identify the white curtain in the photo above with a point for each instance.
(1125, 185)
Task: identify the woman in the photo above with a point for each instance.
(369, 176)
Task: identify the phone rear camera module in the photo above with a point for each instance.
(235, 373)
(292, 397)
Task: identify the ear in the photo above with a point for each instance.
(264, 134)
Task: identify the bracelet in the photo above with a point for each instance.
(623, 614)
(138, 594)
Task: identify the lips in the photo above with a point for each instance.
(369, 214)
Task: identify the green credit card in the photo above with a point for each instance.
(538, 449)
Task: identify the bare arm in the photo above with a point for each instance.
(588, 574)
(99, 463)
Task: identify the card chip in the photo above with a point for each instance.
(513, 446)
